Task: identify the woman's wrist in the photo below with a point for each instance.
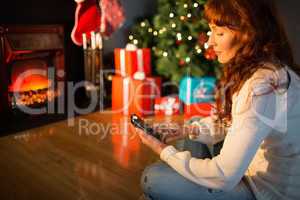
(161, 147)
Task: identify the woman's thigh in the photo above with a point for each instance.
(161, 182)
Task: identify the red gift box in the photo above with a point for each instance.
(167, 106)
(134, 96)
(129, 62)
(198, 109)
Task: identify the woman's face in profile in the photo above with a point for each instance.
(223, 40)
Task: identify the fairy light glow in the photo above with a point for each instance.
(206, 46)
(143, 24)
(187, 59)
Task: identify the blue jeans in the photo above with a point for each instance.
(161, 182)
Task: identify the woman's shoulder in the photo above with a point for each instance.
(268, 77)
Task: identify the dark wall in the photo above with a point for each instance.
(289, 12)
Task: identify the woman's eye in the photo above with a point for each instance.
(220, 34)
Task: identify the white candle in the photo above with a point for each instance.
(93, 40)
(84, 41)
(99, 41)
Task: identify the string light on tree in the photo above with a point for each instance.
(130, 37)
(185, 5)
(199, 51)
(143, 24)
(173, 25)
(182, 18)
(155, 33)
(135, 41)
(165, 54)
(190, 37)
(179, 37)
(206, 46)
(171, 15)
(189, 15)
(196, 5)
(150, 30)
(187, 59)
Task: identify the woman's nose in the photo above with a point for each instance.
(211, 41)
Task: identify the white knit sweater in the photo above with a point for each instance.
(262, 144)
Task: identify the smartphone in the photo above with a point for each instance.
(139, 123)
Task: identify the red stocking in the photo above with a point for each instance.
(105, 16)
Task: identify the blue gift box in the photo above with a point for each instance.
(197, 90)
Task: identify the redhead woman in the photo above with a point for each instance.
(257, 118)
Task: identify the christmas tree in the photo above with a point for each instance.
(177, 35)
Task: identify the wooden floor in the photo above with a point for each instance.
(97, 157)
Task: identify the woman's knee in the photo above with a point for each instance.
(150, 176)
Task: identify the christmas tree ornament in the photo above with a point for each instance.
(181, 62)
(178, 42)
(202, 38)
(210, 54)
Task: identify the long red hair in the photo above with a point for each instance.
(263, 40)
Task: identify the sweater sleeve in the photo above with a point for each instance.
(248, 130)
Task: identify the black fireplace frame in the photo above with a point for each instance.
(19, 42)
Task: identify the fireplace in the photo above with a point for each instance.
(31, 65)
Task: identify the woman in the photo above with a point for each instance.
(258, 100)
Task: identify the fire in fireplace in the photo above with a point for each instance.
(33, 88)
(32, 62)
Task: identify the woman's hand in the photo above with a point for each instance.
(170, 132)
(153, 143)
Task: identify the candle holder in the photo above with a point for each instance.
(93, 68)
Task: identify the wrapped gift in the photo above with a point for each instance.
(133, 62)
(197, 90)
(167, 105)
(134, 96)
(199, 109)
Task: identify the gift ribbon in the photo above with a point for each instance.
(122, 62)
(126, 95)
(140, 60)
(188, 93)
